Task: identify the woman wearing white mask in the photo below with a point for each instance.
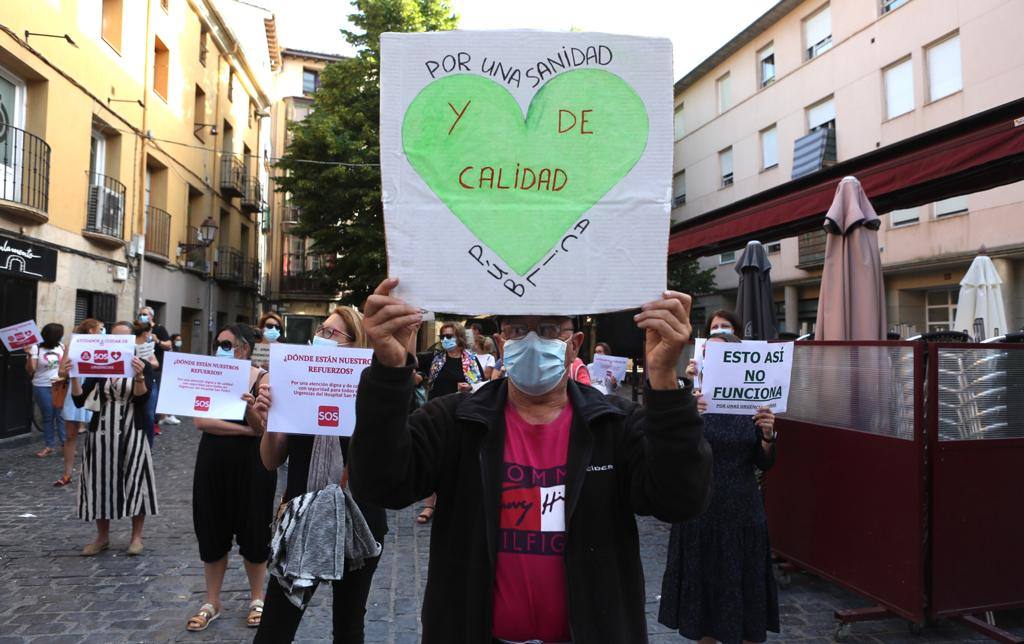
(232, 493)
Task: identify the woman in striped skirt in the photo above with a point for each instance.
(117, 469)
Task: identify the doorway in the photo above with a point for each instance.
(17, 304)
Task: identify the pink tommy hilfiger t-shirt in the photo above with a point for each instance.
(530, 598)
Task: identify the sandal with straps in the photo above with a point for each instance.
(201, 620)
(255, 613)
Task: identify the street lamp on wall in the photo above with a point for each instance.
(205, 237)
(212, 126)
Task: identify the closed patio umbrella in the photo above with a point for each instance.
(981, 296)
(851, 305)
(755, 306)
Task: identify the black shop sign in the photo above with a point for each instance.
(20, 258)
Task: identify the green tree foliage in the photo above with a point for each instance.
(685, 276)
(340, 205)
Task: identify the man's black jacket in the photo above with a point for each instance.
(623, 459)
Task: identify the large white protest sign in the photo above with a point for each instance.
(101, 356)
(605, 366)
(314, 388)
(203, 386)
(535, 165)
(740, 377)
(21, 335)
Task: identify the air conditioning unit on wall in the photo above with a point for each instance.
(105, 207)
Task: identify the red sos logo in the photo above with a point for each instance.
(202, 403)
(327, 416)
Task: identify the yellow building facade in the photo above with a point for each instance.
(124, 126)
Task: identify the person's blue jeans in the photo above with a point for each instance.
(53, 423)
(150, 419)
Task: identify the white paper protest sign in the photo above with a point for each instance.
(101, 356)
(739, 377)
(261, 355)
(314, 388)
(537, 164)
(21, 335)
(606, 365)
(203, 386)
(146, 350)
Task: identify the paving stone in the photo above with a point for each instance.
(52, 595)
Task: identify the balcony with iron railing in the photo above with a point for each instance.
(194, 256)
(301, 275)
(158, 234)
(252, 200)
(104, 222)
(24, 175)
(230, 265)
(251, 271)
(232, 176)
(290, 217)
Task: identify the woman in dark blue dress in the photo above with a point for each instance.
(718, 583)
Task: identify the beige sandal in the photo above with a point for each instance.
(201, 620)
(255, 613)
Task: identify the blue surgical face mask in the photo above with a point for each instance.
(721, 330)
(449, 343)
(534, 365)
(323, 342)
(224, 353)
(271, 334)
(143, 318)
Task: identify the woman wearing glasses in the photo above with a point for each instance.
(232, 493)
(344, 328)
(453, 368)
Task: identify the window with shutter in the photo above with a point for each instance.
(818, 33)
(944, 75)
(769, 148)
(81, 306)
(821, 114)
(725, 164)
(899, 89)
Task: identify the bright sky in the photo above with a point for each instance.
(697, 27)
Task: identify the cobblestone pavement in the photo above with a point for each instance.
(50, 594)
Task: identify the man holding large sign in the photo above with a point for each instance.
(529, 162)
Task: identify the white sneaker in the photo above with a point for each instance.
(173, 420)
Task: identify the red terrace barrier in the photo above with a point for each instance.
(844, 503)
(847, 496)
(976, 404)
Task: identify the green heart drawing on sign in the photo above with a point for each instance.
(519, 184)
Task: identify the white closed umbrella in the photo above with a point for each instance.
(981, 296)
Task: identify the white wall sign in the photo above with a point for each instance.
(314, 388)
(101, 356)
(203, 386)
(535, 167)
(21, 335)
(740, 377)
